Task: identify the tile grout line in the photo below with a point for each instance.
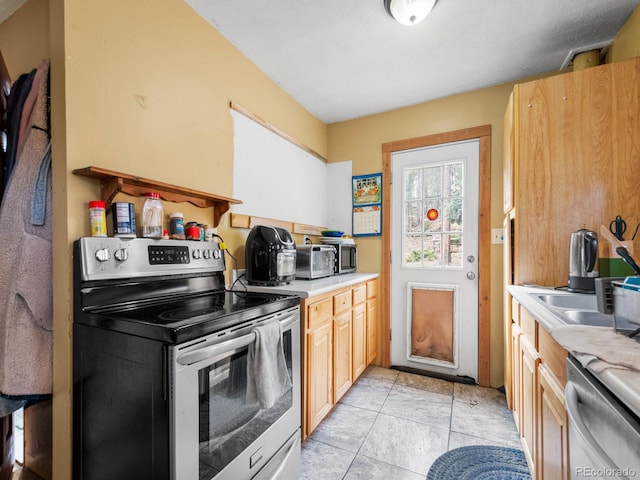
(350, 468)
(369, 431)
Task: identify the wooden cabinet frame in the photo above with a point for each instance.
(339, 339)
(483, 133)
(538, 377)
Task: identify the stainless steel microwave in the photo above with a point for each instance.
(346, 258)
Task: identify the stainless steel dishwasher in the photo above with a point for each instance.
(604, 436)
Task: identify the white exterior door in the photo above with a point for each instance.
(434, 259)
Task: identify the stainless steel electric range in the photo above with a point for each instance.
(161, 371)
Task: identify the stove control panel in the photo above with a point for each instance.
(168, 255)
(107, 258)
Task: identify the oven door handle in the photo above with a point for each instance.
(229, 346)
(582, 430)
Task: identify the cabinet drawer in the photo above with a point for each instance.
(529, 327)
(359, 294)
(341, 302)
(372, 288)
(319, 313)
(553, 356)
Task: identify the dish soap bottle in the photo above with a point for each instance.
(152, 216)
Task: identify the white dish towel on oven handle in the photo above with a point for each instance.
(267, 375)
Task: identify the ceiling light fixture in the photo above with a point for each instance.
(409, 12)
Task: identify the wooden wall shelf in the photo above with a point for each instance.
(112, 183)
(239, 220)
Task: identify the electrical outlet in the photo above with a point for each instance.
(497, 235)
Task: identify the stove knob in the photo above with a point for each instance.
(102, 255)
(121, 254)
(207, 253)
(196, 253)
(216, 254)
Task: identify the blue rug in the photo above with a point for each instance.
(480, 462)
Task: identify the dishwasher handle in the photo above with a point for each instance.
(581, 429)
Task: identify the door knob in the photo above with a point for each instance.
(471, 275)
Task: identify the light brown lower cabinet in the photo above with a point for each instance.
(529, 360)
(538, 379)
(359, 318)
(339, 340)
(320, 362)
(553, 438)
(342, 356)
(372, 320)
(515, 372)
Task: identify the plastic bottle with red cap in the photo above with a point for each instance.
(152, 216)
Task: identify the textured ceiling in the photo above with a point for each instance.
(347, 59)
(344, 59)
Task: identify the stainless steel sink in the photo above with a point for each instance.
(588, 317)
(574, 301)
(582, 309)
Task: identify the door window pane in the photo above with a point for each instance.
(433, 226)
(413, 217)
(413, 184)
(432, 180)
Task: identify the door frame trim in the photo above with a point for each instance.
(483, 134)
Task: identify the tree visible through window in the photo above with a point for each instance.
(433, 197)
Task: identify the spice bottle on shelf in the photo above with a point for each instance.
(98, 218)
(208, 233)
(152, 216)
(176, 226)
(192, 231)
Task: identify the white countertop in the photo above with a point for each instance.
(311, 288)
(623, 383)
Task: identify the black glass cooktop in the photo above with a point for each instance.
(185, 318)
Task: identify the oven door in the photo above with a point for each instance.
(218, 431)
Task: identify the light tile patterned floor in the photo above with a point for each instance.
(393, 425)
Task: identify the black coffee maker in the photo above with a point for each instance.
(583, 258)
(270, 256)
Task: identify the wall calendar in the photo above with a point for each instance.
(367, 205)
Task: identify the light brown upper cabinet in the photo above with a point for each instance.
(572, 158)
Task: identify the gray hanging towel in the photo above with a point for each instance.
(267, 374)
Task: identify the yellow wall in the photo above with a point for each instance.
(24, 37)
(627, 42)
(361, 141)
(148, 89)
(143, 87)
